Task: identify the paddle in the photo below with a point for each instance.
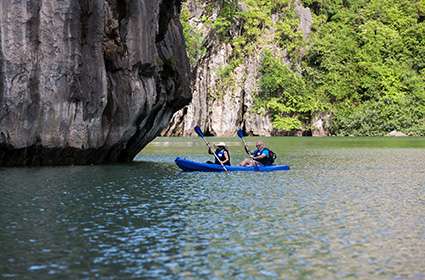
(240, 135)
(201, 134)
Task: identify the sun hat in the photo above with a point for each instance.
(220, 144)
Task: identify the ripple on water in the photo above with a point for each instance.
(338, 213)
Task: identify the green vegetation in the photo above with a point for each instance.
(194, 39)
(364, 62)
(284, 93)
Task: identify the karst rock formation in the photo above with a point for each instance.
(88, 81)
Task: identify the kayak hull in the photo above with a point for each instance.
(188, 166)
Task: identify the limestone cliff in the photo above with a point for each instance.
(86, 82)
(218, 107)
(220, 104)
(225, 92)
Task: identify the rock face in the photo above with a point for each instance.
(320, 124)
(220, 108)
(396, 133)
(306, 19)
(86, 82)
(220, 104)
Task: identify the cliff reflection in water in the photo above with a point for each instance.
(347, 209)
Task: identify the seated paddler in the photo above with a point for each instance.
(260, 156)
(222, 154)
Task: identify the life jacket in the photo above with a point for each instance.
(220, 155)
(269, 160)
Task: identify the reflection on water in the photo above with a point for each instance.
(341, 212)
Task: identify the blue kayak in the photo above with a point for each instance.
(188, 165)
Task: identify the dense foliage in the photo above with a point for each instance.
(194, 39)
(364, 62)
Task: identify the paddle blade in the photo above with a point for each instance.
(240, 133)
(199, 131)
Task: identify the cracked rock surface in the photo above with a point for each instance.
(88, 81)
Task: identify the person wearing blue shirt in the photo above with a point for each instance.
(261, 156)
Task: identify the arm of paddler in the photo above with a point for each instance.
(226, 157)
(263, 154)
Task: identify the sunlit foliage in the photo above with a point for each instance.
(364, 62)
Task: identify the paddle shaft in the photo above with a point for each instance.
(246, 147)
(240, 134)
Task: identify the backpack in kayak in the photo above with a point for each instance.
(272, 156)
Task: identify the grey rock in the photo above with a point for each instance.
(306, 18)
(86, 82)
(222, 105)
(396, 133)
(321, 121)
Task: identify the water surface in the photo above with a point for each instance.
(350, 208)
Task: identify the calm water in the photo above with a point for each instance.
(350, 208)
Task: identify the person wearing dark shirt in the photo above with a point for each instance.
(222, 153)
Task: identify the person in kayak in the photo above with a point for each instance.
(222, 153)
(260, 156)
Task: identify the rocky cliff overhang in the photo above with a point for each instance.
(88, 82)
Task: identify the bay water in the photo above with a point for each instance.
(349, 208)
